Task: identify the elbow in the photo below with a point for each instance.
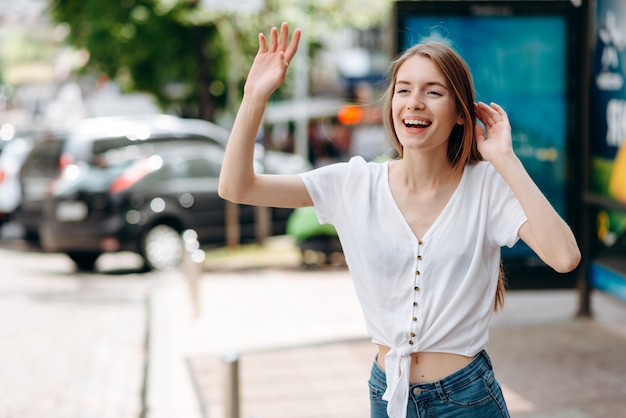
(225, 192)
(568, 261)
(222, 189)
(236, 188)
(232, 193)
(222, 192)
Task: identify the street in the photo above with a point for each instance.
(123, 344)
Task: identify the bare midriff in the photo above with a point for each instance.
(429, 367)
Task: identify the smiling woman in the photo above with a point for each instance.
(422, 106)
(450, 82)
(421, 234)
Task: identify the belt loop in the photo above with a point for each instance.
(485, 355)
(440, 391)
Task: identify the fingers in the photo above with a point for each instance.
(490, 114)
(284, 36)
(479, 133)
(262, 44)
(273, 40)
(281, 43)
(483, 113)
(293, 45)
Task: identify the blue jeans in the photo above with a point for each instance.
(470, 392)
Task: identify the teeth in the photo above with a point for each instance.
(416, 122)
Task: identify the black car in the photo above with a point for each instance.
(63, 157)
(141, 198)
(59, 156)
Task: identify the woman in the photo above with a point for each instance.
(421, 234)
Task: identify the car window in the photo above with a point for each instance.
(121, 155)
(193, 161)
(44, 158)
(104, 145)
(194, 168)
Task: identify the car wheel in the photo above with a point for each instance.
(162, 247)
(85, 261)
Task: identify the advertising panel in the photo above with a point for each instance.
(522, 55)
(607, 136)
(607, 145)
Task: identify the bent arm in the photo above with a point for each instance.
(544, 231)
(238, 182)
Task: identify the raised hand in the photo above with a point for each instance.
(496, 142)
(271, 62)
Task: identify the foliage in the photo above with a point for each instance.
(188, 56)
(146, 47)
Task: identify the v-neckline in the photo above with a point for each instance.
(439, 217)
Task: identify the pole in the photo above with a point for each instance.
(193, 257)
(301, 94)
(231, 385)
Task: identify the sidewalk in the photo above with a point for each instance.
(304, 353)
(71, 345)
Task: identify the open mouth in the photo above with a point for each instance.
(416, 123)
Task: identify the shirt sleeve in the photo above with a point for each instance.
(506, 215)
(324, 187)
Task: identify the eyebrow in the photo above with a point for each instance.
(428, 84)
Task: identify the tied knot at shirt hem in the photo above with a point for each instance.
(397, 372)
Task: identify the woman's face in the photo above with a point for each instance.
(423, 106)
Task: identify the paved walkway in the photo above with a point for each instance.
(73, 346)
(303, 351)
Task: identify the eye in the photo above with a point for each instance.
(401, 91)
(434, 93)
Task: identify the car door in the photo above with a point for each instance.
(193, 182)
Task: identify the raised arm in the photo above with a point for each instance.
(545, 231)
(238, 182)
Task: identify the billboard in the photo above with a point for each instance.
(607, 145)
(524, 55)
(607, 118)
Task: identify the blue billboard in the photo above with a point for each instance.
(524, 56)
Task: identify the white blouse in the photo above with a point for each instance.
(431, 294)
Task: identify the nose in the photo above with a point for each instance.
(415, 103)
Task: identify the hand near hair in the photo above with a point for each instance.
(496, 142)
(270, 64)
(544, 231)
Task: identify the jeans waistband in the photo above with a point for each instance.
(479, 365)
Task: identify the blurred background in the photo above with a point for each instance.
(128, 288)
(63, 60)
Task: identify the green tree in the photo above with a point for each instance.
(151, 46)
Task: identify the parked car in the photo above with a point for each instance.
(61, 159)
(318, 243)
(40, 166)
(12, 156)
(140, 199)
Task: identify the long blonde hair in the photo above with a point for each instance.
(462, 145)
